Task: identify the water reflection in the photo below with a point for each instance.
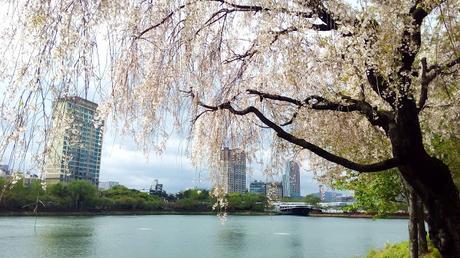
(66, 238)
(296, 246)
(232, 237)
(295, 242)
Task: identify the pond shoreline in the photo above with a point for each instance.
(240, 213)
(123, 213)
(358, 215)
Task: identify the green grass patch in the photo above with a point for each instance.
(401, 250)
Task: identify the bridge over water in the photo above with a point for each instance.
(294, 208)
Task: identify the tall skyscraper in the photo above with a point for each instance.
(286, 183)
(75, 143)
(291, 180)
(234, 170)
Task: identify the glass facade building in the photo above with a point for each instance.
(76, 142)
(291, 180)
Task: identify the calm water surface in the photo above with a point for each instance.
(195, 236)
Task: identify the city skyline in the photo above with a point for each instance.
(125, 162)
(172, 168)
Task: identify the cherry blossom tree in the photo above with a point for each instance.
(344, 82)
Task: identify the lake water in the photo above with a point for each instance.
(195, 236)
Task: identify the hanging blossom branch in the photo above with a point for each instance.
(317, 10)
(253, 49)
(374, 167)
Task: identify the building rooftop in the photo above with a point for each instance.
(79, 101)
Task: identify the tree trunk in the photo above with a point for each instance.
(413, 225)
(422, 243)
(429, 177)
(443, 206)
(432, 181)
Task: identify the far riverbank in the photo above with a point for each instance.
(239, 213)
(122, 213)
(359, 215)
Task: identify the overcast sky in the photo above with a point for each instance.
(124, 162)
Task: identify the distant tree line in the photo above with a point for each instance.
(84, 196)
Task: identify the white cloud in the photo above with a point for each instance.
(132, 168)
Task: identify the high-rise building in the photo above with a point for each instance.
(291, 180)
(286, 183)
(233, 162)
(258, 187)
(321, 192)
(75, 142)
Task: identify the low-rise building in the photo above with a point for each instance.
(107, 185)
(258, 187)
(30, 178)
(4, 171)
(156, 188)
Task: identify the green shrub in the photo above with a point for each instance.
(401, 250)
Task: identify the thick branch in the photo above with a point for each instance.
(408, 49)
(411, 41)
(424, 87)
(375, 167)
(329, 22)
(433, 71)
(429, 74)
(381, 86)
(375, 117)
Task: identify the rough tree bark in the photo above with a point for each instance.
(417, 233)
(413, 225)
(422, 241)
